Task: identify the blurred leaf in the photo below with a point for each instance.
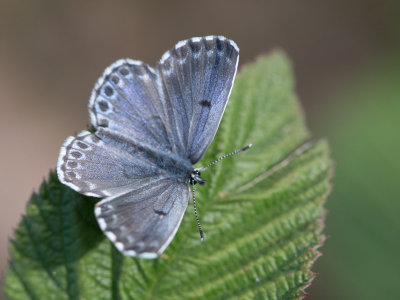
(362, 253)
(262, 213)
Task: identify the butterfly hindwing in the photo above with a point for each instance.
(143, 221)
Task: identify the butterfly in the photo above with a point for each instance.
(150, 126)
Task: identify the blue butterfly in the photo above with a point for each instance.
(150, 127)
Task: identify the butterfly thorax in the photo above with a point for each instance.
(151, 160)
(178, 168)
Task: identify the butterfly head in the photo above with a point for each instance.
(196, 178)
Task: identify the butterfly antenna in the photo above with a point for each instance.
(225, 156)
(195, 213)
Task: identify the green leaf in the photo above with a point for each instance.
(262, 212)
(364, 224)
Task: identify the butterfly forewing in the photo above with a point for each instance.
(126, 99)
(196, 80)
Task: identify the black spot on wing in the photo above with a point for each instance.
(205, 103)
(194, 46)
(115, 79)
(124, 71)
(72, 164)
(76, 154)
(103, 106)
(108, 91)
(219, 44)
(71, 174)
(160, 212)
(103, 122)
(82, 145)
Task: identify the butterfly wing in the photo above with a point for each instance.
(143, 221)
(104, 163)
(178, 106)
(143, 206)
(195, 81)
(126, 99)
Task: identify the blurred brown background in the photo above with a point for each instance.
(52, 52)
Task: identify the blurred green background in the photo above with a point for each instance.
(347, 67)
